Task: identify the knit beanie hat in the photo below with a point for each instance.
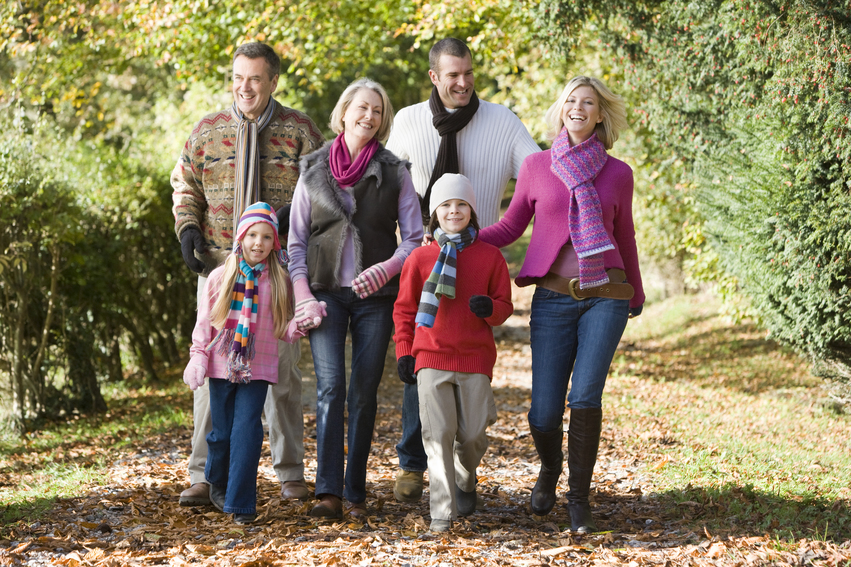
(258, 212)
(451, 186)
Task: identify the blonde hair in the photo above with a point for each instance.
(348, 96)
(612, 109)
(281, 305)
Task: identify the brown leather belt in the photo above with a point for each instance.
(617, 288)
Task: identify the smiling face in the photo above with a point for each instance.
(252, 85)
(453, 215)
(258, 243)
(454, 80)
(362, 118)
(581, 114)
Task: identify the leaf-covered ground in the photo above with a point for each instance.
(135, 519)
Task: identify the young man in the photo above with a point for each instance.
(453, 132)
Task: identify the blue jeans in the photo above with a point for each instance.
(570, 335)
(234, 444)
(371, 323)
(412, 455)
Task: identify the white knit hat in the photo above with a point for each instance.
(451, 186)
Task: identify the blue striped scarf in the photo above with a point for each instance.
(236, 339)
(441, 281)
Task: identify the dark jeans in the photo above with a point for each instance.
(412, 455)
(571, 336)
(371, 323)
(234, 444)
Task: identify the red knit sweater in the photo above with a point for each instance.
(459, 341)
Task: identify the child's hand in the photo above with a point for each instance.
(194, 375)
(406, 367)
(481, 306)
(309, 315)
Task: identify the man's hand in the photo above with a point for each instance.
(191, 241)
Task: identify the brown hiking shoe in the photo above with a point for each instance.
(294, 490)
(409, 486)
(196, 495)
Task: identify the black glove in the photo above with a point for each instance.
(191, 241)
(636, 311)
(481, 306)
(406, 369)
(283, 222)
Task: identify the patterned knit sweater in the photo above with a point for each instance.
(203, 179)
(491, 149)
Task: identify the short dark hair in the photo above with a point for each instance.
(447, 46)
(256, 50)
(433, 223)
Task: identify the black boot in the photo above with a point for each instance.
(548, 446)
(583, 438)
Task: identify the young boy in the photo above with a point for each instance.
(452, 292)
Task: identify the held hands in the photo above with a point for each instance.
(308, 311)
(191, 241)
(481, 306)
(406, 367)
(373, 278)
(194, 373)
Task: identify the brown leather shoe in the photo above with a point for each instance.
(196, 495)
(329, 506)
(358, 511)
(294, 490)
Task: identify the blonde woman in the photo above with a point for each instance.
(582, 258)
(350, 198)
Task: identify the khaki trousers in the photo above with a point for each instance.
(456, 409)
(284, 416)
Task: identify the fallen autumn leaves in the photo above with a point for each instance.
(135, 520)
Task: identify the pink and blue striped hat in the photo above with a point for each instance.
(259, 212)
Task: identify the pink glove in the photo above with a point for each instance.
(195, 371)
(308, 311)
(293, 332)
(373, 278)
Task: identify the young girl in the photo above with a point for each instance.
(246, 310)
(452, 292)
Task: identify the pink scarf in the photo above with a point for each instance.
(344, 171)
(577, 166)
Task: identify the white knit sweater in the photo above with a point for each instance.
(491, 149)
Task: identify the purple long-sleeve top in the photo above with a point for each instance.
(410, 229)
(540, 193)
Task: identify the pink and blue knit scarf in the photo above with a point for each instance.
(577, 166)
(441, 280)
(236, 339)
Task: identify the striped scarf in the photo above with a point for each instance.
(236, 339)
(246, 187)
(441, 281)
(577, 166)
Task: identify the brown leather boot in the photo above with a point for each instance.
(329, 506)
(548, 445)
(583, 439)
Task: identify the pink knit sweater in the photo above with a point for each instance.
(264, 366)
(541, 194)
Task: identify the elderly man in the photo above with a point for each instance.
(233, 158)
(452, 132)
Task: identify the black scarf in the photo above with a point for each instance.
(447, 124)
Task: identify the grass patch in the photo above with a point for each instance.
(739, 429)
(64, 457)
